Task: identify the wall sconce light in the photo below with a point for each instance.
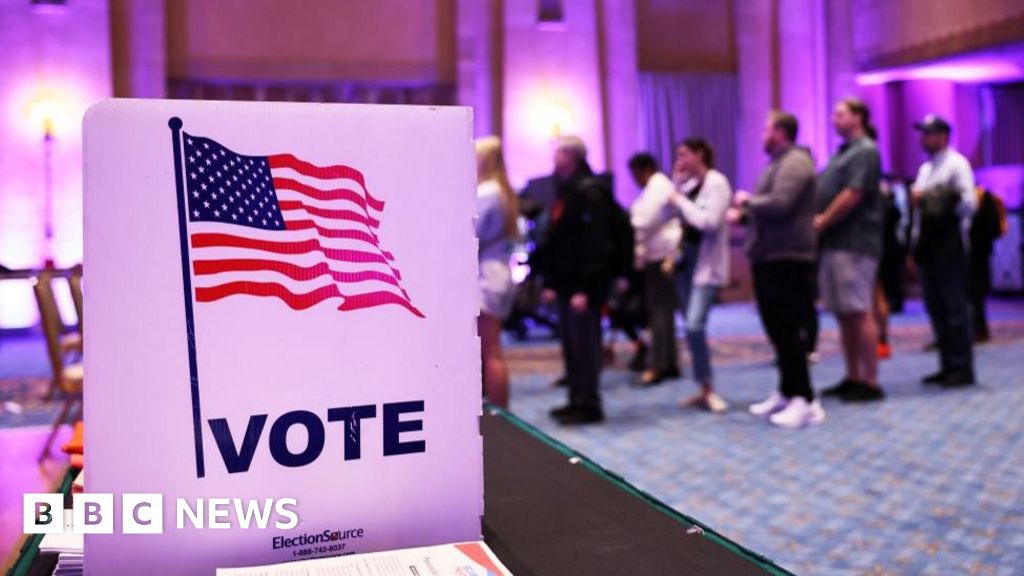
(557, 119)
(52, 116)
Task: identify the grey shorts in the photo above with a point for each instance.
(846, 281)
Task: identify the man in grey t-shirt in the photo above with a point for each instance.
(849, 224)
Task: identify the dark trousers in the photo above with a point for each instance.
(628, 311)
(581, 340)
(661, 306)
(944, 287)
(981, 284)
(785, 292)
(809, 329)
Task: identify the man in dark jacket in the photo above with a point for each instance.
(577, 261)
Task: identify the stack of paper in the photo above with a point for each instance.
(68, 546)
(445, 560)
(68, 565)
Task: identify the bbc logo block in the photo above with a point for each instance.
(93, 514)
(142, 514)
(43, 514)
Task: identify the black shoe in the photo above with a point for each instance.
(861, 392)
(639, 361)
(935, 378)
(672, 374)
(561, 382)
(840, 388)
(958, 379)
(579, 416)
(561, 411)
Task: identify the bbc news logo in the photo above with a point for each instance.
(144, 513)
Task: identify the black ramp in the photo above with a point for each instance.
(545, 515)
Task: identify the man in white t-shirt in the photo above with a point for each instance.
(657, 245)
(944, 198)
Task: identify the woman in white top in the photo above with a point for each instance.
(702, 201)
(496, 229)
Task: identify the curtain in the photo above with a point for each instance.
(674, 106)
(1002, 140)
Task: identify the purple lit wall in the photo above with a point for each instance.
(552, 86)
(1007, 182)
(56, 64)
(951, 88)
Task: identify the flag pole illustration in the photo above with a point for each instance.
(278, 228)
(190, 329)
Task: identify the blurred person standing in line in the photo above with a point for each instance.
(987, 226)
(701, 204)
(577, 261)
(849, 226)
(497, 210)
(781, 247)
(657, 246)
(945, 198)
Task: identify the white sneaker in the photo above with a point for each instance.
(799, 413)
(817, 417)
(773, 404)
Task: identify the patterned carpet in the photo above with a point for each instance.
(25, 381)
(928, 482)
(22, 402)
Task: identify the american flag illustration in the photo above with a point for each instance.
(279, 227)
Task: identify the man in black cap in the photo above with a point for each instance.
(944, 198)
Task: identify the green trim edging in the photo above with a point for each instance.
(30, 549)
(762, 561)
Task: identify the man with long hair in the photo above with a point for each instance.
(849, 226)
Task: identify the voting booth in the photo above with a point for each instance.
(282, 341)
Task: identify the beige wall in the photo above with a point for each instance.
(690, 36)
(55, 58)
(895, 32)
(551, 85)
(138, 39)
(382, 40)
(620, 96)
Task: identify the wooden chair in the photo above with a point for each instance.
(75, 284)
(67, 377)
(72, 341)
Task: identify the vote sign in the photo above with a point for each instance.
(281, 305)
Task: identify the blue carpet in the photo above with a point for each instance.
(24, 381)
(927, 482)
